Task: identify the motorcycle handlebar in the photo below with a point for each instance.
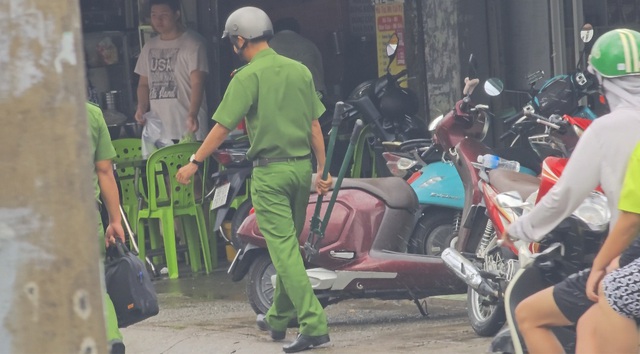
(464, 106)
(550, 122)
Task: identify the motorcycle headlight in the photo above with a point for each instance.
(594, 212)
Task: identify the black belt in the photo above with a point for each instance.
(261, 162)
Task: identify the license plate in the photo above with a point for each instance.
(220, 196)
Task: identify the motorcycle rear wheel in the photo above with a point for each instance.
(486, 320)
(433, 233)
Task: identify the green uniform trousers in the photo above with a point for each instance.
(280, 195)
(113, 332)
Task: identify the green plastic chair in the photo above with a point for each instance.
(181, 203)
(127, 150)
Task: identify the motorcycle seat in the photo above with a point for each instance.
(506, 181)
(394, 191)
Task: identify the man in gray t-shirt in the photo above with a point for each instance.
(289, 43)
(172, 68)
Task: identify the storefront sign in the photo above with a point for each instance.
(390, 20)
(362, 18)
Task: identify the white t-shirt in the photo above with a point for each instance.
(600, 158)
(168, 65)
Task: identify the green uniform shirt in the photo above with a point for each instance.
(101, 146)
(630, 195)
(278, 99)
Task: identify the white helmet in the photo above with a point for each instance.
(249, 23)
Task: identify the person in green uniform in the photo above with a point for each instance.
(105, 186)
(277, 97)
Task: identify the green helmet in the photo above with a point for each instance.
(617, 53)
(248, 22)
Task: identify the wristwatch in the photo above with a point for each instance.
(192, 159)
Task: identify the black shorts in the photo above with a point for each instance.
(570, 295)
(631, 253)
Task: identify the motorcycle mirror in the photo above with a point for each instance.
(510, 200)
(586, 34)
(493, 86)
(392, 48)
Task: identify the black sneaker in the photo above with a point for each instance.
(116, 347)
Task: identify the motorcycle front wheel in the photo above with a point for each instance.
(486, 319)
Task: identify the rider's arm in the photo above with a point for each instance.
(579, 178)
(628, 225)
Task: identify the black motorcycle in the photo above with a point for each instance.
(230, 192)
(389, 112)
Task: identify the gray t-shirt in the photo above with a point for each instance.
(294, 46)
(168, 65)
(600, 158)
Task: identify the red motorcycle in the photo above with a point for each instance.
(363, 251)
(495, 198)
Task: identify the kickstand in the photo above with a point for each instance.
(422, 307)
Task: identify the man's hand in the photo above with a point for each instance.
(323, 186)
(593, 283)
(139, 116)
(186, 172)
(192, 123)
(114, 230)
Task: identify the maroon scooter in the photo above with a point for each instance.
(363, 253)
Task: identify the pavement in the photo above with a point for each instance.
(210, 314)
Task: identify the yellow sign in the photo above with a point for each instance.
(390, 20)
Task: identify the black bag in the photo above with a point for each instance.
(129, 286)
(557, 96)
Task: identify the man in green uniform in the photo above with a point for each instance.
(278, 99)
(105, 185)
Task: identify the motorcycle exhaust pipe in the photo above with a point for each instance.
(466, 271)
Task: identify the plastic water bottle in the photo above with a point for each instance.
(494, 162)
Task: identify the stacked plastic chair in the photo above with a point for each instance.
(181, 204)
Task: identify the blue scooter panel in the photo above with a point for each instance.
(440, 185)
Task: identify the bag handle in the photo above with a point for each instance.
(118, 250)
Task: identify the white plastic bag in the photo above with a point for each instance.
(152, 135)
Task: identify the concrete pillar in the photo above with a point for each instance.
(50, 294)
(443, 67)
